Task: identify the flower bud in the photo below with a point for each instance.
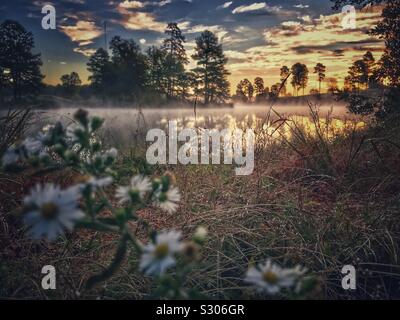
(200, 235)
(82, 117)
(96, 123)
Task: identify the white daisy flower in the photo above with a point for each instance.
(157, 257)
(271, 278)
(95, 183)
(138, 188)
(28, 148)
(168, 200)
(112, 153)
(100, 183)
(51, 211)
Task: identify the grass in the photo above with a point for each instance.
(323, 200)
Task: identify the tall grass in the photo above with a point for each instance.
(320, 196)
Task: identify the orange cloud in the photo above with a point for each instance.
(136, 20)
(82, 31)
(309, 41)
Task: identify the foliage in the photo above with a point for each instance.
(48, 211)
(320, 70)
(16, 56)
(211, 72)
(70, 83)
(299, 77)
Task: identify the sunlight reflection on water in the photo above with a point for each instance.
(126, 127)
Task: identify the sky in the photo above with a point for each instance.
(258, 37)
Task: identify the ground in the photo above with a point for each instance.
(320, 201)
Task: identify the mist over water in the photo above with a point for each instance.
(127, 127)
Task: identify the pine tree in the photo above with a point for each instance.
(285, 73)
(157, 75)
(129, 68)
(211, 71)
(320, 70)
(176, 57)
(99, 66)
(259, 86)
(16, 45)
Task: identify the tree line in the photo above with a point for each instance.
(123, 72)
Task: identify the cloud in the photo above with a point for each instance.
(131, 4)
(219, 31)
(225, 5)
(264, 8)
(137, 20)
(139, 4)
(82, 32)
(301, 6)
(85, 51)
(251, 7)
(308, 40)
(142, 21)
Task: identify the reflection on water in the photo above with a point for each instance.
(127, 127)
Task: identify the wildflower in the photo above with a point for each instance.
(49, 211)
(112, 153)
(75, 132)
(93, 183)
(271, 278)
(191, 251)
(28, 148)
(157, 257)
(100, 183)
(200, 234)
(137, 189)
(168, 200)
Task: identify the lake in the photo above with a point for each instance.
(124, 127)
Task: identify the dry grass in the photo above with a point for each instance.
(319, 200)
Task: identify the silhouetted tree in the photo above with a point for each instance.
(158, 80)
(240, 94)
(129, 68)
(174, 44)
(211, 72)
(16, 45)
(299, 77)
(176, 56)
(370, 64)
(358, 75)
(248, 89)
(320, 70)
(259, 86)
(101, 77)
(275, 90)
(259, 89)
(70, 83)
(284, 73)
(388, 29)
(333, 85)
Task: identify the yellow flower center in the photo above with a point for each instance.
(161, 251)
(49, 211)
(270, 277)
